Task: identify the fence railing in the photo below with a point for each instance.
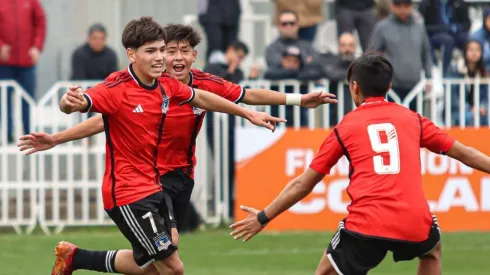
(61, 187)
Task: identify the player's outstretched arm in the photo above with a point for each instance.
(41, 141)
(212, 102)
(269, 97)
(470, 157)
(73, 101)
(294, 191)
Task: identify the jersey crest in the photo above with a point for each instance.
(165, 104)
(197, 111)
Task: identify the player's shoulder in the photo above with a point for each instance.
(117, 79)
(201, 76)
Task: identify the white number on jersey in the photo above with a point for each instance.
(390, 147)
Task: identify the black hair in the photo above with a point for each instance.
(239, 45)
(182, 33)
(142, 31)
(97, 27)
(480, 65)
(373, 74)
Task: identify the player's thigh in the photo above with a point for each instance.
(146, 230)
(325, 267)
(183, 198)
(353, 254)
(429, 247)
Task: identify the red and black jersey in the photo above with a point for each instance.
(382, 142)
(184, 122)
(134, 115)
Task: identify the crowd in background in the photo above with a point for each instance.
(436, 32)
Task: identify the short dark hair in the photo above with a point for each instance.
(182, 33)
(142, 31)
(239, 45)
(282, 12)
(97, 27)
(373, 74)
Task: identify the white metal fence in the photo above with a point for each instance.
(61, 187)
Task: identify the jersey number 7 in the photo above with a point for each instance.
(390, 146)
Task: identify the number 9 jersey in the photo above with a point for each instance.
(382, 142)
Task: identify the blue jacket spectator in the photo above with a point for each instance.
(471, 68)
(447, 23)
(483, 36)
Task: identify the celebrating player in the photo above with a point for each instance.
(388, 212)
(134, 103)
(181, 127)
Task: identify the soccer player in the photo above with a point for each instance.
(134, 103)
(388, 212)
(181, 127)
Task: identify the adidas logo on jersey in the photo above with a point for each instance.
(138, 109)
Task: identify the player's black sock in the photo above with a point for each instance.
(101, 261)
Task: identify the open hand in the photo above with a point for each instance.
(36, 142)
(315, 99)
(264, 120)
(248, 227)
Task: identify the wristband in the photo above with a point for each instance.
(262, 218)
(293, 99)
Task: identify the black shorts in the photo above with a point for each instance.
(355, 254)
(146, 225)
(177, 187)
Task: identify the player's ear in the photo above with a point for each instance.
(194, 55)
(131, 53)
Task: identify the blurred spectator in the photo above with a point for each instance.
(310, 14)
(94, 60)
(220, 20)
(470, 68)
(227, 65)
(335, 66)
(447, 23)
(22, 34)
(294, 67)
(357, 15)
(483, 35)
(383, 9)
(289, 57)
(405, 43)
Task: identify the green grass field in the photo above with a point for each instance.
(214, 252)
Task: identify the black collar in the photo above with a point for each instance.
(144, 86)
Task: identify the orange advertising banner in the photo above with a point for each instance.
(457, 194)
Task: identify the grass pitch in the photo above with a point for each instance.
(215, 252)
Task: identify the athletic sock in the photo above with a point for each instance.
(101, 261)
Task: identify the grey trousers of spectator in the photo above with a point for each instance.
(363, 21)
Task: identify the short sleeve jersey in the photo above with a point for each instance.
(184, 122)
(133, 115)
(382, 142)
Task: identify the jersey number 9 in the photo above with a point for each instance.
(390, 146)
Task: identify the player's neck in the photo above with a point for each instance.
(147, 80)
(187, 79)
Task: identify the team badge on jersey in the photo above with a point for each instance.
(162, 241)
(197, 111)
(165, 104)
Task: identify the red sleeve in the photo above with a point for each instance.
(177, 90)
(433, 138)
(39, 25)
(330, 152)
(103, 100)
(228, 90)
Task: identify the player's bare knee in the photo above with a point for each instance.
(435, 254)
(179, 268)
